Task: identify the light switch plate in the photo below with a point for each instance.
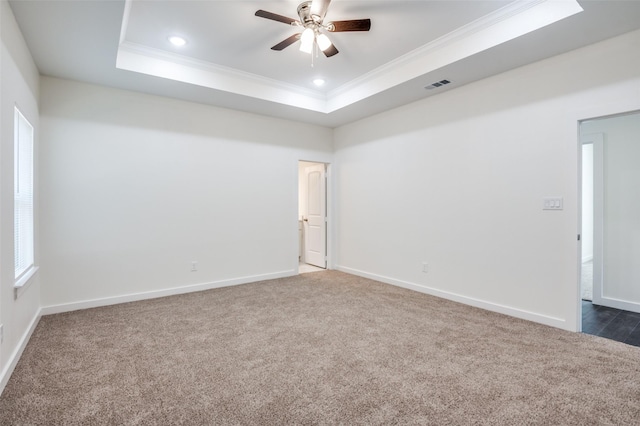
(552, 203)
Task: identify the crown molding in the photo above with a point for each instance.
(160, 63)
(509, 22)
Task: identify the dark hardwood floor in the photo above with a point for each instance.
(611, 323)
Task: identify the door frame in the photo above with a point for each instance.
(329, 188)
(574, 119)
(314, 255)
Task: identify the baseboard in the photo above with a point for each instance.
(134, 297)
(483, 304)
(17, 353)
(618, 304)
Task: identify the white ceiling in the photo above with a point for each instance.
(228, 61)
(227, 33)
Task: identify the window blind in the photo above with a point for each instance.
(23, 195)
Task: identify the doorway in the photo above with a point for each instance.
(610, 273)
(312, 216)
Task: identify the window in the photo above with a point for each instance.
(23, 240)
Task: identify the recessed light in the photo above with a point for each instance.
(177, 41)
(318, 82)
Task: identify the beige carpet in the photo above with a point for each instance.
(320, 348)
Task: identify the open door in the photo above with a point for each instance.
(315, 224)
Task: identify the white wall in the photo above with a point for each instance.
(135, 187)
(457, 180)
(621, 164)
(19, 86)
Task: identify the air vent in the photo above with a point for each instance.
(437, 84)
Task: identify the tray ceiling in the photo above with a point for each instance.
(227, 60)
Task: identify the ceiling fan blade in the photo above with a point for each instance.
(319, 8)
(274, 17)
(330, 51)
(286, 42)
(351, 25)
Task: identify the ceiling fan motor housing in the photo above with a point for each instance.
(306, 18)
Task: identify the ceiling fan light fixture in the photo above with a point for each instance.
(306, 40)
(323, 42)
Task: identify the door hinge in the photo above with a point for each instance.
(578, 237)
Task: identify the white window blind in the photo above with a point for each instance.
(23, 196)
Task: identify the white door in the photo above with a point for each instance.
(315, 225)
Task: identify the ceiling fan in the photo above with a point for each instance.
(312, 15)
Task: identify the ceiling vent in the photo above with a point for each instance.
(437, 84)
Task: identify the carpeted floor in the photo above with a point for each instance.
(319, 348)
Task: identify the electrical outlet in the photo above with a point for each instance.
(194, 266)
(425, 267)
